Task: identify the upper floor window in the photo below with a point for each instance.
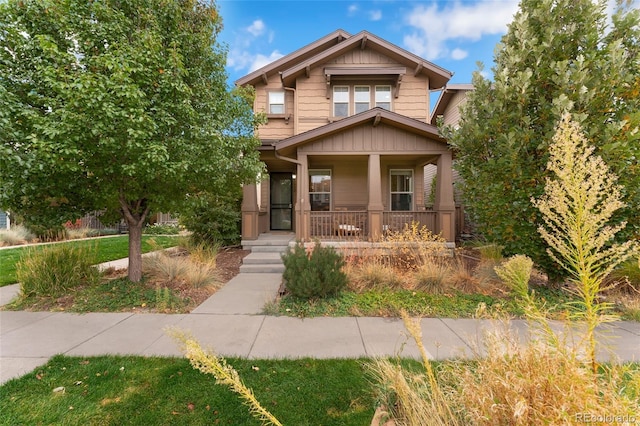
(362, 98)
(276, 102)
(383, 97)
(401, 189)
(340, 101)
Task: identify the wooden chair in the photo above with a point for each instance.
(345, 224)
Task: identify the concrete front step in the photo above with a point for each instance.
(262, 269)
(266, 249)
(262, 258)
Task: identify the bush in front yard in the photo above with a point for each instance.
(213, 219)
(54, 270)
(315, 274)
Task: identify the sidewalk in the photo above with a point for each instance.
(231, 322)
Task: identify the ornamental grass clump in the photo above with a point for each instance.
(314, 274)
(208, 362)
(54, 270)
(577, 207)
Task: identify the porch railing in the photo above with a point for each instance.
(339, 225)
(396, 221)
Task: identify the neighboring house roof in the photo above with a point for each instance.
(445, 97)
(291, 59)
(375, 115)
(338, 43)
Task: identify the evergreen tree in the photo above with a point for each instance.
(557, 56)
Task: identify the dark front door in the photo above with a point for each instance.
(281, 202)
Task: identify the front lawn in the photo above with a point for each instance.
(107, 249)
(114, 390)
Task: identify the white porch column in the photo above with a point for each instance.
(375, 207)
(250, 211)
(444, 204)
(303, 205)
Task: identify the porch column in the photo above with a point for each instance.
(303, 205)
(444, 204)
(250, 211)
(375, 207)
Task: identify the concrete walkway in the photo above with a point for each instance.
(231, 322)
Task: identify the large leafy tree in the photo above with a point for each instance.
(120, 106)
(557, 56)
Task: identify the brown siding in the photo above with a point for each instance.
(349, 180)
(275, 128)
(452, 113)
(367, 139)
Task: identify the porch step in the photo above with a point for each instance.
(262, 258)
(266, 249)
(262, 269)
(265, 253)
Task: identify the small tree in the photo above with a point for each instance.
(120, 107)
(577, 206)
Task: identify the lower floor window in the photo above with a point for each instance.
(401, 189)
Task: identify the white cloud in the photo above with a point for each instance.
(375, 15)
(434, 26)
(257, 27)
(261, 60)
(459, 54)
(352, 9)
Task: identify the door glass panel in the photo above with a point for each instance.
(281, 201)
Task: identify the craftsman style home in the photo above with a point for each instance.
(348, 136)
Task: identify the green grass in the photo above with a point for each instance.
(108, 249)
(390, 302)
(115, 390)
(119, 295)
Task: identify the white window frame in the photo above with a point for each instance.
(377, 101)
(341, 101)
(271, 102)
(396, 172)
(320, 172)
(357, 101)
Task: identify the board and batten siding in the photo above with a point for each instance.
(451, 114)
(314, 109)
(366, 139)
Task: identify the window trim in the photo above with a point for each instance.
(375, 91)
(333, 100)
(328, 172)
(284, 103)
(410, 192)
(355, 100)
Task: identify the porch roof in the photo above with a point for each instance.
(375, 116)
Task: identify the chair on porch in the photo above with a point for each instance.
(345, 223)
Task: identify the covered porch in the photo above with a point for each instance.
(355, 179)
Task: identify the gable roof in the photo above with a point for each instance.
(375, 116)
(336, 44)
(291, 59)
(445, 97)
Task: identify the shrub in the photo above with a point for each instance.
(161, 229)
(213, 219)
(413, 246)
(54, 270)
(315, 274)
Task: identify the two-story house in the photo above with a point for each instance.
(347, 140)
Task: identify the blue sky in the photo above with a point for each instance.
(454, 34)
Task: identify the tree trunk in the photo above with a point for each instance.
(134, 212)
(135, 250)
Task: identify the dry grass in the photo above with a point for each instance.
(371, 275)
(197, 271)
(432, 275)
(16, 235)
(538, 384)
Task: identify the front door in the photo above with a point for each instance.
(281, 202)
